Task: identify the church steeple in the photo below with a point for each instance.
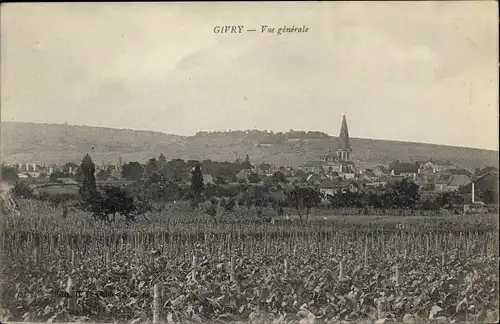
(344, 135)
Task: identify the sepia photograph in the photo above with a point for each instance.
(249, 162)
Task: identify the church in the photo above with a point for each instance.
(340, 161)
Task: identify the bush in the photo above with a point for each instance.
(22, 190)
(112, 201)
(429, 204)
(229, 205)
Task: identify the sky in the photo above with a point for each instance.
(410, 71)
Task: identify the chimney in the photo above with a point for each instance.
(70, 169)
(472, 192)
(34, 167)
(27, 167)
(51, 170)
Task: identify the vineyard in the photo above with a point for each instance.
(181, 267)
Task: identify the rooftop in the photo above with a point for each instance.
(458, 180)
(329, 183)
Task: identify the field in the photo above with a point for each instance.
(345, 269)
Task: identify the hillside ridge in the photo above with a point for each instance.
(27, 142)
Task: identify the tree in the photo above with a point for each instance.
(265, 167)
(197, 185)
(404, 194)
(429, 204)
(376, 199)
(22, 190)
(175, 170)
(56, 175)
(489, 196)
(220, 181)
(118, 201)
(229, 205)
(153, 189)
(71, 165)
(9, 174)
(347, 199)
(114, 200)
(303, 199)
(132, 171)
(278, 177)
(212, 209)
(192, 163)
(151, 166)
(103, 175)
(88, 188)
(162, 161)
(253, 178)
(247, 161)
(301, 174)
(172, 192)
(448, 199)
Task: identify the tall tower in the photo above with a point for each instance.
(344, 152)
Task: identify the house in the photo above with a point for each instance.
(311, 167)
(244, 173)
(315, 179)
(23, 176)
(369, 175)
(456, 182)
(115, 175)
(376, 184)
(427, 167)
(293, 180)
(331, 187)
(441, 183)
(263, 170)
(424, 183)
(434, 167)
(332, 167)
(286, 170)
(483, 188)
(33, 174)
(405, 171)
(380, 171)
(444, 166)
(208, 179)
(398, 177)
(427, 181)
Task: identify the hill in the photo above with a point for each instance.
(53, 143)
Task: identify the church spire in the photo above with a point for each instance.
(344, 135)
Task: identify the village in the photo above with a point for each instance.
(336, 172)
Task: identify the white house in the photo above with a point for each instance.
(331, 187)
(208, 179)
